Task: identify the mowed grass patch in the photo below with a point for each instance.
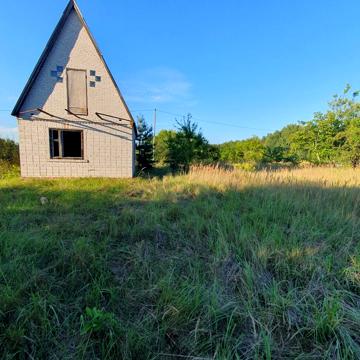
(213, 265)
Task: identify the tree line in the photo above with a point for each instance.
(331, 137)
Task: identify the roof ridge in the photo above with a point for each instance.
(42, 58)
(70, 6)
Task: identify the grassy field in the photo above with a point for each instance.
(209, 265)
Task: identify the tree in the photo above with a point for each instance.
(188, 146)
(213, 154)
(253, 150)
(330, 137)
(144, 149)
(9, 151)
(161, 145)
(274, 154)
(249, 150)
(279, 145)
(351, 139)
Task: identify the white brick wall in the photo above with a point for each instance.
(108, 148)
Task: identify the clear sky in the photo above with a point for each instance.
(253, 65)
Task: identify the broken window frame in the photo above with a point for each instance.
(86, 112)
(60, 141)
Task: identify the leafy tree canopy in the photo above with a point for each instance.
(161, 145)
(187, 146)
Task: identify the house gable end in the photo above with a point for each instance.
(62, 52)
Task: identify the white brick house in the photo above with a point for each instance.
(72, 118)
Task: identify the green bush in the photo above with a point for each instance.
(8, 170)
(9, 151)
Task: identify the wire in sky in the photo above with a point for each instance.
(141, 110)
(217, 122)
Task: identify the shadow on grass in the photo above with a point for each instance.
(156, 172)
(267, 271)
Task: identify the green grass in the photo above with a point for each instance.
(210, 265)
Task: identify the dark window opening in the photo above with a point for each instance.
(66, 144)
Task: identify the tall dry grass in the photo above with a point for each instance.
(321, 176)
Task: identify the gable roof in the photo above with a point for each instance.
(71, 6)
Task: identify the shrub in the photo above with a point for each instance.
(8, 170)
(9, 151)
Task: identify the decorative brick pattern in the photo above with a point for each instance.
(94, 78)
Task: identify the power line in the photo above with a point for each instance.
(141, 110)
(217, 122)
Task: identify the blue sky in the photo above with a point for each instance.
(253, 65)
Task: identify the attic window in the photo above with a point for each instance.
(77, 91)
(66, 144)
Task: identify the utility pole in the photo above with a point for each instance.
(154, 129)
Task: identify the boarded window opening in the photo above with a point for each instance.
(66, 144)
(77, 91)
